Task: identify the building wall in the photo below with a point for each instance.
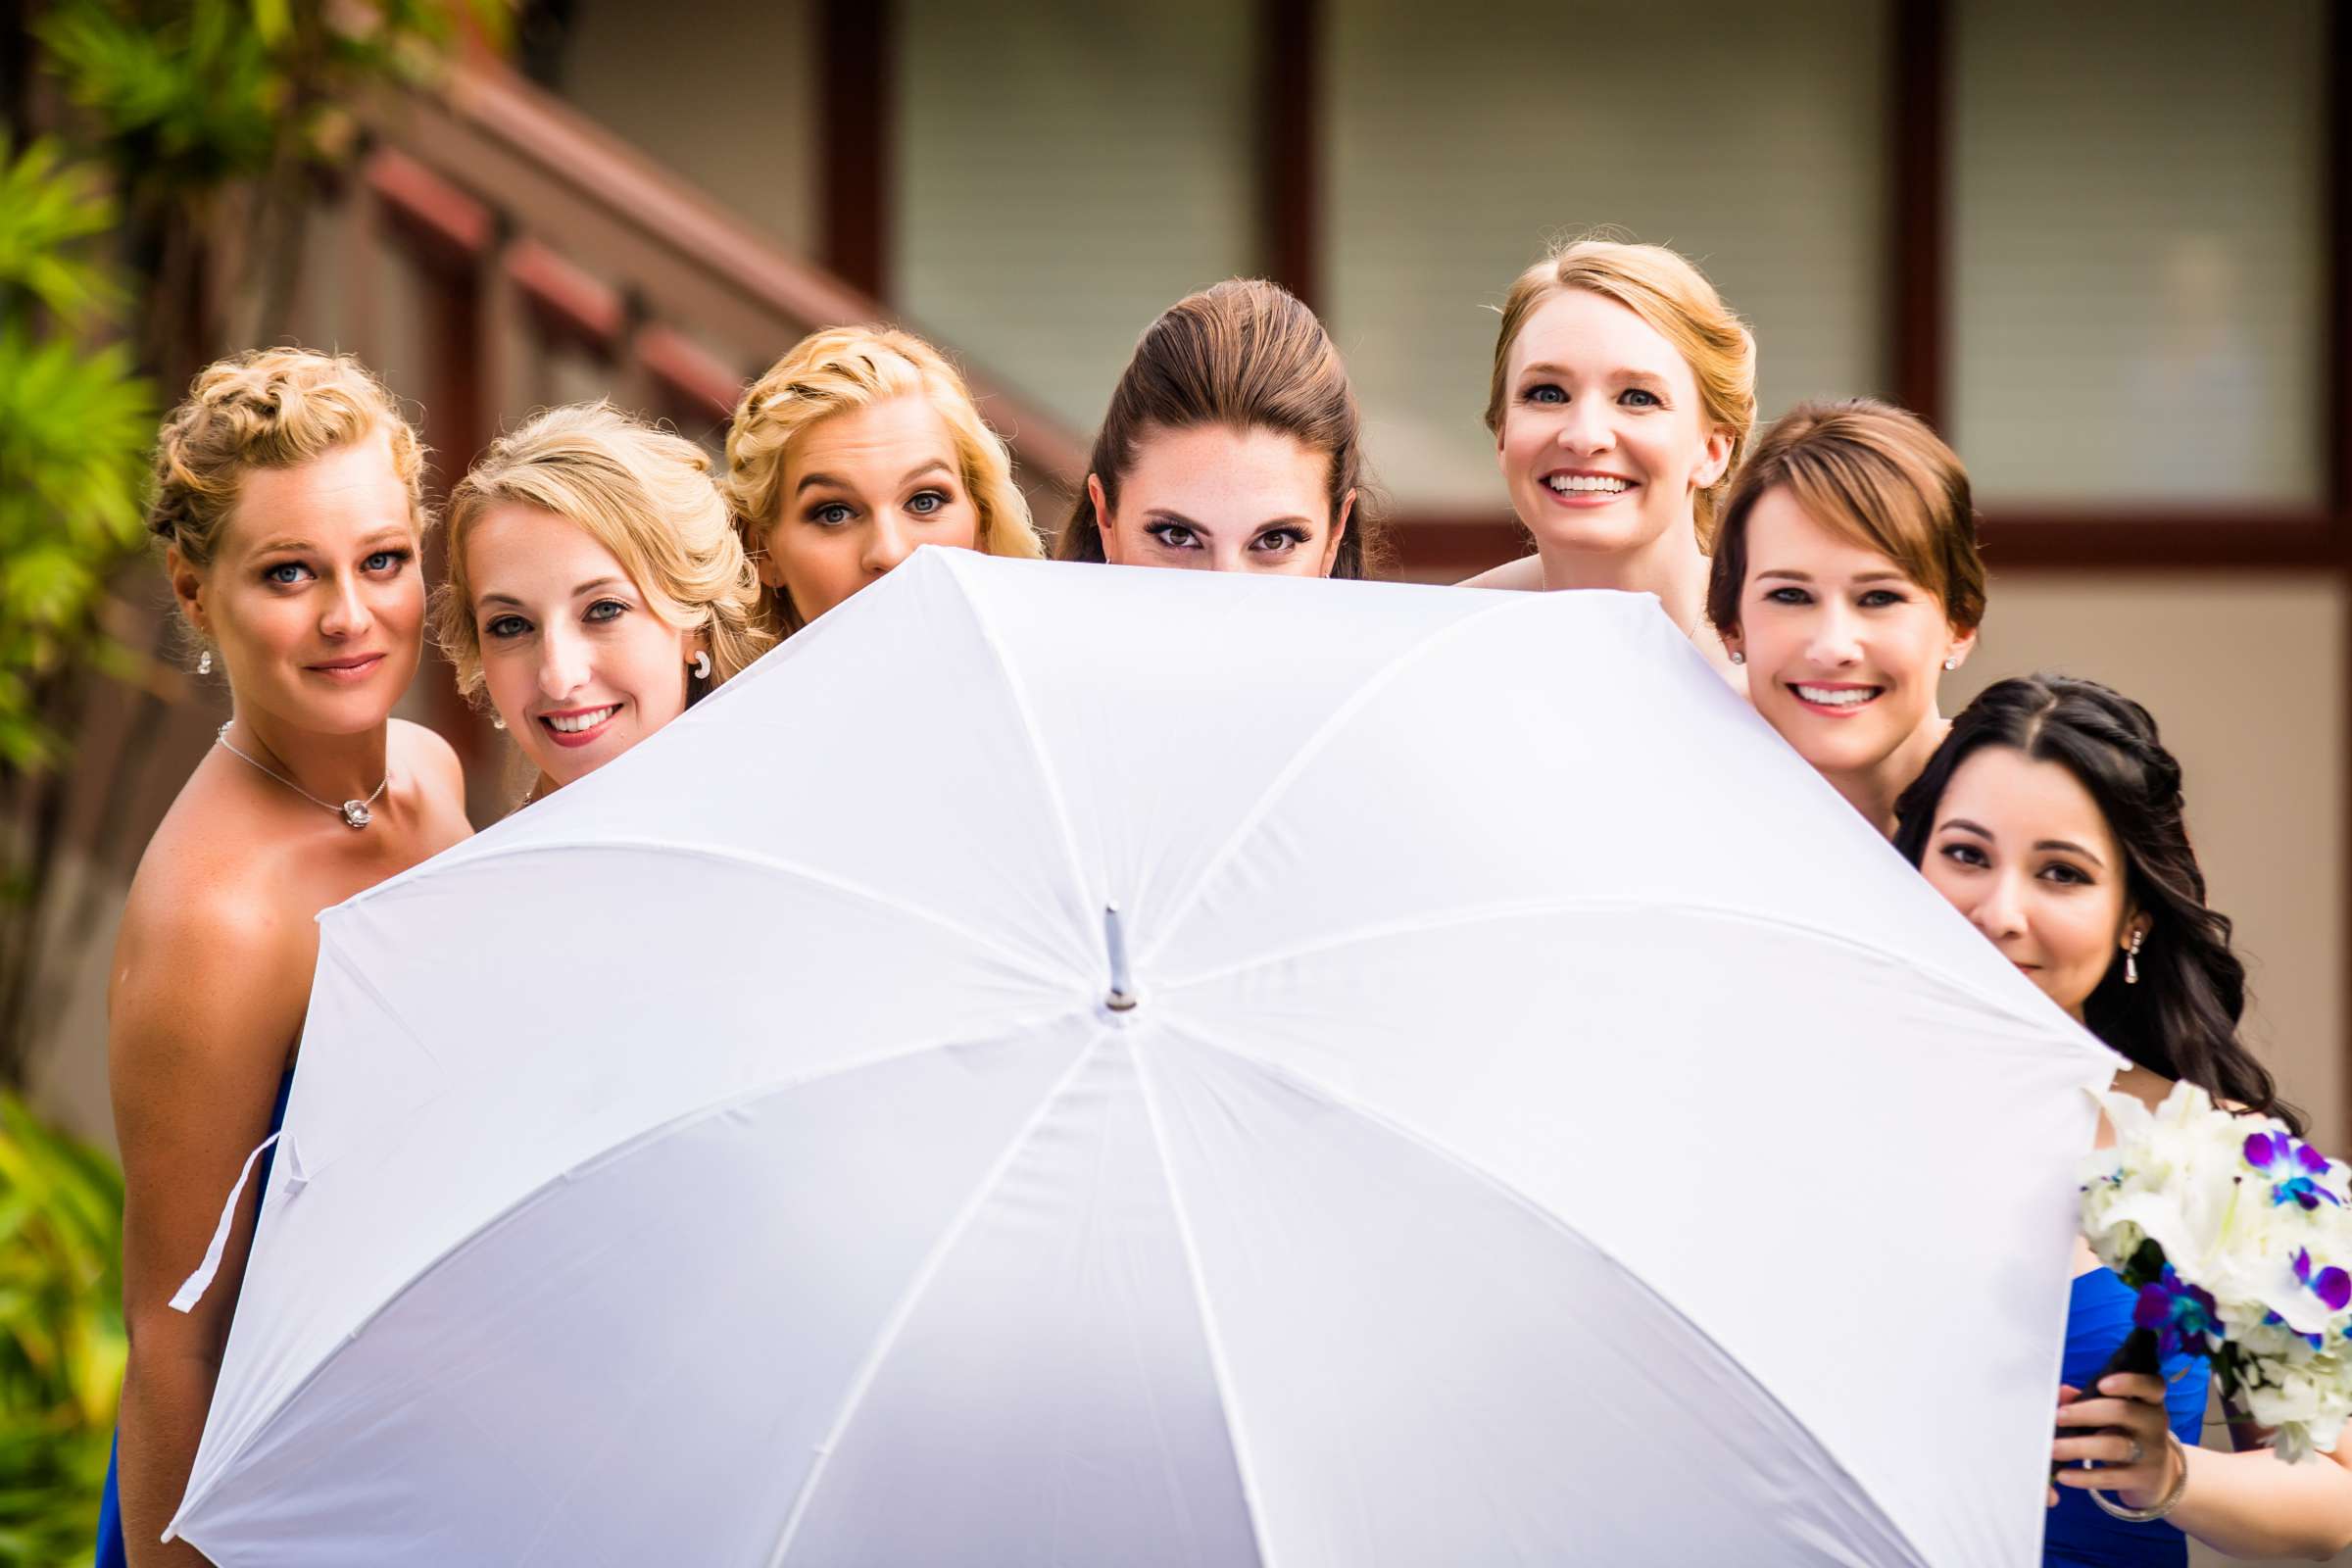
(744, 129)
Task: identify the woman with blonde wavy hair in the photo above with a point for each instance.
(596, 586)
(856, 447)
(1622, 395)
(286, 509)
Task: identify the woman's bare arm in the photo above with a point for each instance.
(2250, 1503)
(205, 1003)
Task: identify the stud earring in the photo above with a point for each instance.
(1738, 658)
(701, 665)
(496, 722)
(204, 663)
(1952, 663)
(2131, 959)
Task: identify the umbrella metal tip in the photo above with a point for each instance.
(1122, 997)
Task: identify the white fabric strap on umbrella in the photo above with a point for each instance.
(191, 1290)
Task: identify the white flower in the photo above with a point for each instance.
(2255, 1231)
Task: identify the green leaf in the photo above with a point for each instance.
(61, 1336)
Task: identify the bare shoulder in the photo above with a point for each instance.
(209, 983)
(423, 752)
(217, 939)
(204, 924)
(1526, 574)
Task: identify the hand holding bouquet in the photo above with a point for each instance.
(2237, 1236)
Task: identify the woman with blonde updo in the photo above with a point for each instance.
(286, 506)
(596, 586)
(856, 447)
(1622, 395)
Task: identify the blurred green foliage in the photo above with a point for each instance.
(74, 421)
(62, 1345)
(193, 95)
(187, 123)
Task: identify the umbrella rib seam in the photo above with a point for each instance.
(1485, 914)
(1217, 1368)
(762, 863)
(1316, 1089)
(1313, 747)
(1020, 691)
(525, 1200)
(903, 1310)
(330, 946)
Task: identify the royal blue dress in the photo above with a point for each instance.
(110, 1508)
(2098, 1317)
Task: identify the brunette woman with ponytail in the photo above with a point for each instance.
(1232, 444)
(2052, 817)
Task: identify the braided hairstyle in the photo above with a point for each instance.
(265, 409)
(2181, 1020)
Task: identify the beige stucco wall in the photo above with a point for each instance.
(749, 70)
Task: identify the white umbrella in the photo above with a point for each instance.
(1540, 1123)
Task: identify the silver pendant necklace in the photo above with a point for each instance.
(355, 814)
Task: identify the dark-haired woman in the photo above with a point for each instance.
(1232, 444)
(2051, 817)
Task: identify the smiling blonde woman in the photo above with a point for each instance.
(1622, 395)
(854, 449)
(596, 586)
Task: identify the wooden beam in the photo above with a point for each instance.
(1919, 169)
(448, 228)
(1290, 181)
(567, 302)
(856, 117)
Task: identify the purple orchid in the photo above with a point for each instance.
(2293, 1166)
(2332, 1286)
(2181, 1316)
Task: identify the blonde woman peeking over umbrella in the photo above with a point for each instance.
(856, 448)
(596, 586)
(1622, 394)
(286, 505)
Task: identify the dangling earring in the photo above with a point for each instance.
(204, 661)
(2131, 959)
(1738, 658)
(701, 665)
(496, 722)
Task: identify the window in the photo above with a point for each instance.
(2140, 251)
(1459, 137)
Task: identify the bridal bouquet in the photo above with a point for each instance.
(2237, 1236)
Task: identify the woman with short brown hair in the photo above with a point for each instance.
(1846, 580)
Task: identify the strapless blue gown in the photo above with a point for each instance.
(110, 1509)
(2098, 1317)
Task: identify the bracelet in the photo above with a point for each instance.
(2163, 1504)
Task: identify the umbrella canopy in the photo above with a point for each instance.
(1518, 1113)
